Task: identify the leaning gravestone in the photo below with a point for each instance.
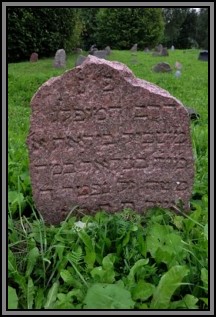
(34, 57)
(100, 138)
(60, 58)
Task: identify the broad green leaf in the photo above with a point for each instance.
(135, 268)
(30, 293)
(204, 277)
(67, 277)
(188, 302)
(142, 290)
(89, 258)
(108, 296)
(108, 261)
(51, 297)
(206, 231)
(31, 260)
(205, 300)
(60, 250)
(168, 284)
(12, 267)
(39, 298)
(12, 298)
(86, 239)
(106, 273)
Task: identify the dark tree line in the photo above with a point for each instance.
(44, 30)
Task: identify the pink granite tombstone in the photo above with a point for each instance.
(34, 57)
(100, 138)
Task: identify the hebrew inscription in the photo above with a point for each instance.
(100, 138)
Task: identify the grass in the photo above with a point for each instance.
(154, 261)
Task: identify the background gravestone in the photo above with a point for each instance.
(34, 57)
(80, 60)
(100, 138)
(203, 56)
(162, 68)
(164, 52)
(60, 58)
(108, 49)
(100, 54)
(134, 48)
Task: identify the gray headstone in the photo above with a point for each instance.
(100, 138)
(80, 60)
(134, 48)
(159, 48)
(164, 52)
(108, 49)
(100, 54)
(162, 68)
(60, 58)
(172, 48)
(146, 50)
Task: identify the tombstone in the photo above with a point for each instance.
(159, 48)
(93, 49)
(80, 60)
(172, 48)
(60, 58)
(146, 50)
(100, 54)
(178, 74)
(178, 65)
(162, 68)
(108, 49)
(78, 50)
(192, 113)
(34, 57)
(164, 52)
(102, 139)
(134, 48)
(203, 56)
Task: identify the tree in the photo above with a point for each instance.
(41, 30)
(89, 26)
(202, 28)
(173, 18)
(187, 34)
(120, 28)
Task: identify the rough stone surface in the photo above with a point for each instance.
(203, 56)
(162, 68)
(34, 57)
(60, 58)
(100, 138)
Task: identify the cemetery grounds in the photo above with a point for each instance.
(156, 260)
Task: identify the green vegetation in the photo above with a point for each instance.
(157, 260)
(44, 30)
